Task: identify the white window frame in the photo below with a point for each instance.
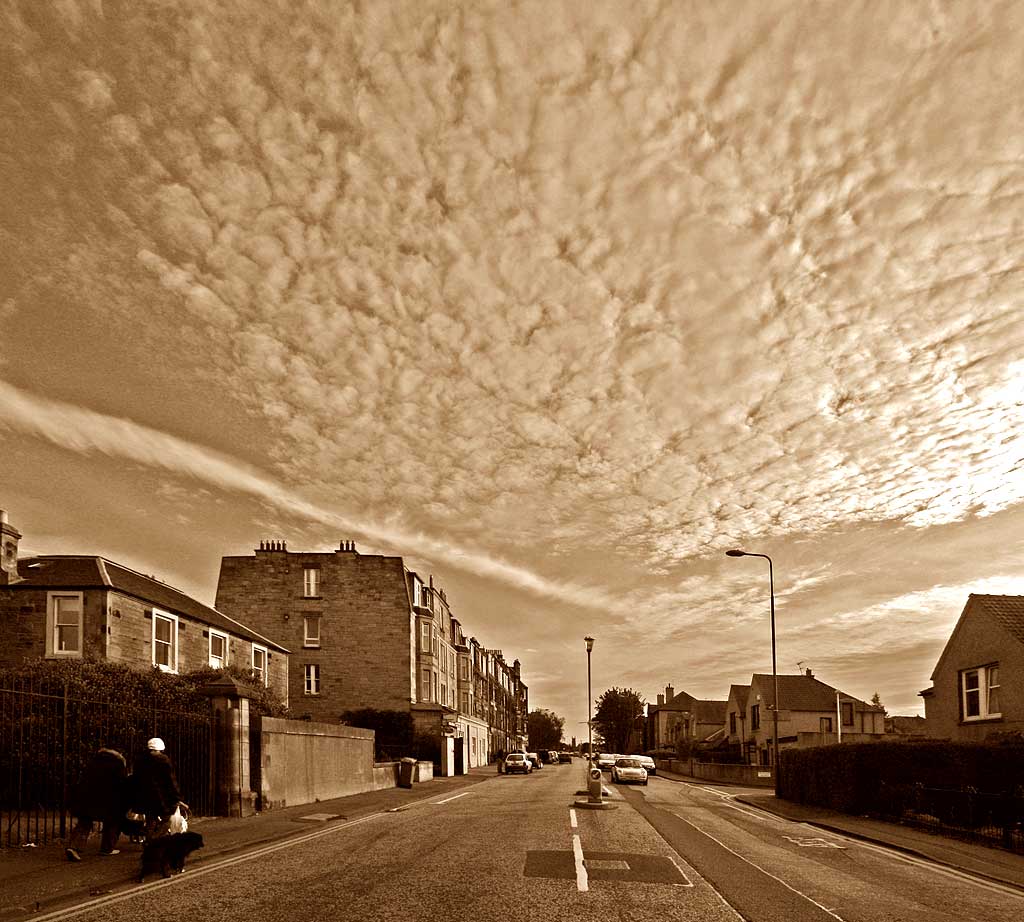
(425, 683)
(311, 582)
(159, 616)
(984, 676)
(311, 677)
(308, 639)
(262, 672)
(425, 636)
(417, 593)
(51, 624)
(227, 643)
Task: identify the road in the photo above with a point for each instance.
(517, 845)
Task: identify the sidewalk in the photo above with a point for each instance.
(38, 879)
(980, 860)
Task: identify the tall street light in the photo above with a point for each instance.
(589, 641)
(775, 677)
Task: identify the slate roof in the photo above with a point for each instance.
(1007, 610)
(59, 571)
(681, 701)
(711, 712)
(804, 693)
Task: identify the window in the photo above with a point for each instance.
(311, 631)
(311, 582)
(424, 636)
(260, 658)
(425, 685)
(732, 723)
(825, 724)
(465, 703)
(312, 671)
(165, 641)
(846, 709)
(444, 693)
(755, 717)
(979, 692)
(218, 649)
(417, 595)
(64, 624)
(464, 668)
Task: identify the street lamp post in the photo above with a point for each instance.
(775, 676)
(589, 641)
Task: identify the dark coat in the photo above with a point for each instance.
(154, 787)
(102, 790)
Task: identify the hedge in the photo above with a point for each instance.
(859, 777)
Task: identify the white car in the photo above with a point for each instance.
(605, 760)
(628, 768)
(648, 763)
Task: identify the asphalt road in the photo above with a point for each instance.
(517, 845)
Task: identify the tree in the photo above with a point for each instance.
(615, 717)
(544, 728)
(876, 700)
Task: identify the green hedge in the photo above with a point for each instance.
(859, 777)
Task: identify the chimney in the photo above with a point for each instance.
(661, 700)
(670, 692)
(810, 674)
(9, 538)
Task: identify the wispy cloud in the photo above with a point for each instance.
(81, 430)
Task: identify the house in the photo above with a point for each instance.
(810, 713)
(978, 681)
(736, 711)
(78, 606)
(681, 716)
(906, 727)
(371, 633)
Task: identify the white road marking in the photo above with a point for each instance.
(572, 819)
(809, 899)
(582, 880)
(450, 799)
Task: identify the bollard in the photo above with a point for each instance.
(595, 785)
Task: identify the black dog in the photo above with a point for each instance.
(168, 853)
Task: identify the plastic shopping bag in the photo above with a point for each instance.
(177, 822)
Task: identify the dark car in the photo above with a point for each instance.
(537, 761)
(565, 757)
(550, 756)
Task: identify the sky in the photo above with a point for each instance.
(556, 300)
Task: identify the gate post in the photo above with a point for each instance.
(229, 703)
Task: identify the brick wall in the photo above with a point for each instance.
(366, 652)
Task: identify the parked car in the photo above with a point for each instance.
(648, 763)
(535, 758)
(551, 756)
(605, 761)
(565, 757)
(517, 762)
(628, 769)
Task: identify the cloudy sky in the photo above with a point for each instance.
(558, 300)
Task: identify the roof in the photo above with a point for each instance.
(910, 726)
(804, 693)
(710, 712)
(91, 572)
(1007, 610)
(682, 701)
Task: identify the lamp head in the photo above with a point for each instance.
(735, 552)
(589, 641)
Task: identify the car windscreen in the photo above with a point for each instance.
(627, 763)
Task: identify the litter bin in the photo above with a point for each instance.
(405, 769)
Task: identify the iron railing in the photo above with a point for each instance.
(991, 818)
(47, 737)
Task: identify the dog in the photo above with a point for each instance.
(167, 854)
(134, 827)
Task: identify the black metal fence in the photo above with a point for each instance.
(47, 737)
(993, 819)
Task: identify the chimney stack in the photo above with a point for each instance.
(810, 674)
(661, 700)
(9, 538)
(670, 692)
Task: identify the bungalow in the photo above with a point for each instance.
(681, 716)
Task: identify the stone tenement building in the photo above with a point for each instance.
(367, 632)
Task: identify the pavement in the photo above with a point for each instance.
(973, 858)
(38, 879)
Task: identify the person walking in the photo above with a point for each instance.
(154, 788)
(101, 797)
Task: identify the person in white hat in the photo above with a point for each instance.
(154, 788)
